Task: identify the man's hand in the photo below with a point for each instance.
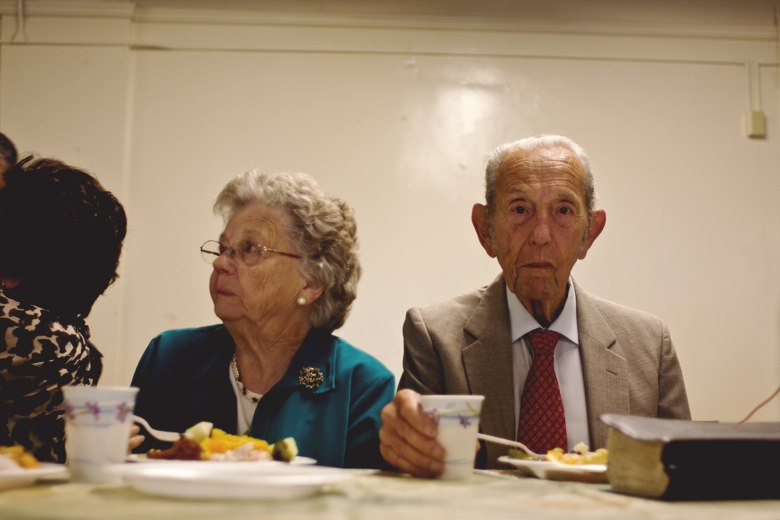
(408, 437)
(135, 439)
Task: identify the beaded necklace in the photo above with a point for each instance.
(252, 396)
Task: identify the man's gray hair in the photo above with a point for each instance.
(531, 144)
(323, 233)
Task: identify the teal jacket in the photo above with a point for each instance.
(183, 379)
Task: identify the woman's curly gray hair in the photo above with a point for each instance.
(323, 233)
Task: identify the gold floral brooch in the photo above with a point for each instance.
(310, 377)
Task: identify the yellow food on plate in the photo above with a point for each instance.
(204, 442)
(221, 442)
(580, 455)
(19, 456)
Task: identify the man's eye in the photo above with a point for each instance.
(222, 249)
(520, 209)
(565, 210)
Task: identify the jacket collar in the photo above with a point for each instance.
(605, 371)
(316, 352)
(487, 358)
(592, 327)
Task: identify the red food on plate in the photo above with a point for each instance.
(183, 449)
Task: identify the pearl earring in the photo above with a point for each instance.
(301, 301)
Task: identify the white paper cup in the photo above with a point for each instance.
(97, 429)
(458, 419)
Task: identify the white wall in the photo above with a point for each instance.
(397, 122)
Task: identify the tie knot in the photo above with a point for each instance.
(543, 341)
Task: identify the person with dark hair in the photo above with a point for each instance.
(61, 237)
(8, 155)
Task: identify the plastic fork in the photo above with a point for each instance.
(514, 444)
(157, 434)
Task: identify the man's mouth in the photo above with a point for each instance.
(538, 265)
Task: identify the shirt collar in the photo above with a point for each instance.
(317, 354)
(522, 322)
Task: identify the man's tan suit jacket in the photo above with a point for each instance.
(462, 345)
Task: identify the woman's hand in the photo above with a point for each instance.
(135, 438)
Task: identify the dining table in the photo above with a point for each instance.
(374, 495)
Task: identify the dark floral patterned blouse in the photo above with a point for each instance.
(38, 355)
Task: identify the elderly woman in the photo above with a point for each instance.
(61, 236)
(285, 275)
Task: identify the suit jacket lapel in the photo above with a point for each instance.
(605, 372)
(488, 360)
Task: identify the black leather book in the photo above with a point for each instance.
(674, 459)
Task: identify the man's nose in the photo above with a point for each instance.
(540, 232)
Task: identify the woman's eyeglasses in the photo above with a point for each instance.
(244, 252)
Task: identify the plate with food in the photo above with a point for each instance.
(203, 442)
(19, 468)
(230, 480)
(579, 465)
(296, 461)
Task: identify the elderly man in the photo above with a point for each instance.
(549, 357)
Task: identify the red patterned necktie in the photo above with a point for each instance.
(542, 424)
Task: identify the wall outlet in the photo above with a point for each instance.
(756, 123)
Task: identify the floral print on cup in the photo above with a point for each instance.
(95, 414)
(465, 417)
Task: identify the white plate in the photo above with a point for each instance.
(24, 477)
(230, 480)
(557, 471)
(297, 461)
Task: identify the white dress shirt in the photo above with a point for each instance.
(568, 363)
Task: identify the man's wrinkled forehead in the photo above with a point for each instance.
(539, 162)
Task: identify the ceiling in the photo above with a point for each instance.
(760, 13)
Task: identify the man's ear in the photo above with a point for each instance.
(479, 218)
(597, 223)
